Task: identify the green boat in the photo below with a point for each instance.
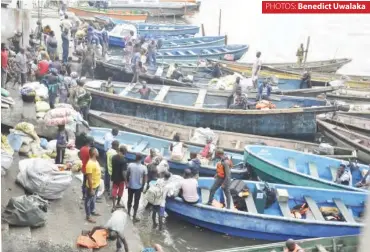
(331, 244)
(284, 166)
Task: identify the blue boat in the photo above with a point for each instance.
(156, 29)
(208, 108)
(292, 167)
(137, 143)
(275, 223)
(232, 52)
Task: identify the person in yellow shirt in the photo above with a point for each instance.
(93, 174)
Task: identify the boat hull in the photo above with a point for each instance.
(292, 123)
(261, 226)
(126, 17)
(363, 153)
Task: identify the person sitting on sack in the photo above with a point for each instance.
(177, 148)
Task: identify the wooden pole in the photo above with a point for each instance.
(225, 39)
(219, 23)
(203, 31)
(306, 52)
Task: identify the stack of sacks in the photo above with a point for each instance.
(43, 177)
(24, 140)
(6, 155)
(72, 160)
(41, 108)
(201, 135)
(41, 91)
(225, 83)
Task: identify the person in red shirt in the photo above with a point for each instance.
(85, 156)
(43, 69)
(4, 65)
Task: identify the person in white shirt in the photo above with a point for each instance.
(189, 188)
(344, 176)
(256, 69)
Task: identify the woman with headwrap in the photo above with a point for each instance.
(52, 45)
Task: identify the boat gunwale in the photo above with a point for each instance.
(275, 217)
(113, 14)
(102, 116)
(321, 109)
(242, 48)
(232, 170)
(343, 137)
(346, 188)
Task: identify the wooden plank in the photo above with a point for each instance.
(292, 164)
(344, 210)
(173, 134)
(250, 204)
(284, 208)
(200, 99)
(320, 248)
(333, 171)
(140, 147)
(162, 93)
(314, 208)
(237, 145)
(313, 169)
(127, 89)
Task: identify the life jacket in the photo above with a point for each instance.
(296, 249)
(220, 169)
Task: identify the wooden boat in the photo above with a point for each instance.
(229, 141)
(297, 168)
(353, 81)
(207, 108)
(119, 15)
(337, 243)
(157, 29)
(347, 138)
(350, 95)
(234, 52)
(275, 223)
(328, 66)
(358, 124)
(137, 143)
(198, 3)
(155, 8)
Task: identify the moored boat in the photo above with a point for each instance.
(155, 8)
(350, 95)
(347, 138)
(337, 243)
(328, 66)
(119, 15)
(137, 143)
(358, 124)
(297, 168)
(275, 222)
(229, 141)
(233, 52)
(293, 116)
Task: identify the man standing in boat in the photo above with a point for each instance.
(256, 69)
(152, 50)
(145, 92)
(299, 54)
(135, 64)
(222, 178)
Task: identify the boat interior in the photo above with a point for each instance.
(136, 143)
(289, 198)
(203, 98)
(313, 165)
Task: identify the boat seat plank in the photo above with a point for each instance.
(162, 93)
(191, 52)
(237, 145)
(292, 164)
(314, 208)
(204, 195)
(181, 53)
(127, 89)
(216, 51)
(251, 206)
(348, 216)
(313, 169)
(285, 209)
(320, 248)
(168, 53)
(206, 51)
(200, 99)
(333, 171)
(173, 134)
(140, 147)
(309, 215)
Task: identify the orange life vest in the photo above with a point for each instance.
(220, 169)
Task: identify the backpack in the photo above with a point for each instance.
(154, 195)
(270, 195)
